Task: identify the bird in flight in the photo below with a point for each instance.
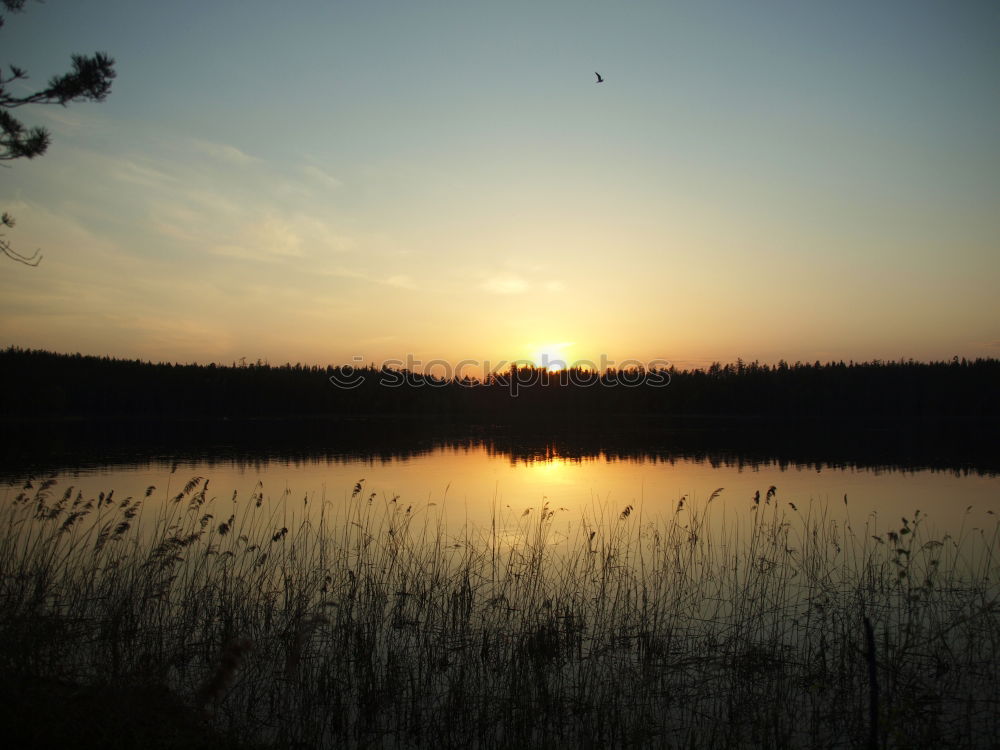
(600, 78)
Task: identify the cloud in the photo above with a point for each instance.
(400, 281)
(278, 236)
(224, 152)
(506, 284)
(341, 272)
(270, 238)
(228, 204)
(65, 121)
(323, 178)
(403, 282)
(245, 227)
(554, 286)
(136, 173)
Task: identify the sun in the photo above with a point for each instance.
(553, 357)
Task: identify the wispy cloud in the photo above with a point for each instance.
(278, 236)
(505, 284)
(322, 177)
(137, 173)
(65, 121)
(224, 152)
(401, 281)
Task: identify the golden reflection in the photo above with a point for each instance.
(552, 469)
(466, 487)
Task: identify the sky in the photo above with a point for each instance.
(327, 182)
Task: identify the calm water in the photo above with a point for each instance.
(467, 481)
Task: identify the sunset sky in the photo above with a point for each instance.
(318, 181)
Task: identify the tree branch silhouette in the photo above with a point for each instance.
(88, 81)
(29, 260)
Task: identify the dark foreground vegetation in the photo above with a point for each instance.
(37, 384)
(374, 624)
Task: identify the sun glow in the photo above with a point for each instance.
(553, 357)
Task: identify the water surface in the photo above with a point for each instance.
(470, 479)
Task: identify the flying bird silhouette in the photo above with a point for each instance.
(600, 78)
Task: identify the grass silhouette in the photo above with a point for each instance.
(195, 621)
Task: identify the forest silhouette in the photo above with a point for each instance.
(46, 385)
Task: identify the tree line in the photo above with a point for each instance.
(41, 384)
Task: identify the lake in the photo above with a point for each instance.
(467, 476)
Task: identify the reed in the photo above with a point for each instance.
(371, 622)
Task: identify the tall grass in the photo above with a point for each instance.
(372, 623)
